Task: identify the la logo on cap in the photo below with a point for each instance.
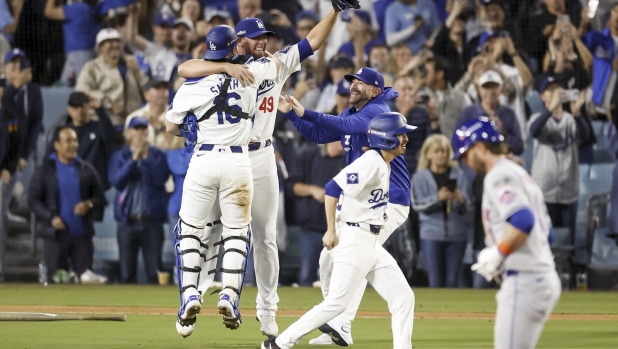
(360, 71)
(212, 46)
(15, 51)
(259, 24)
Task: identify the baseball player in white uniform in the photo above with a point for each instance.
(518, 234)
(252, 38)
(216, 112)
(356, 210)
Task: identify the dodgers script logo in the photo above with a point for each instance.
(265, 86)
(378, 196)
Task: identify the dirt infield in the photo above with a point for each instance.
(288, 313)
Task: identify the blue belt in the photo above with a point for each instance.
(511, 272)
(253, 146)
(233, 148)
(372, 228)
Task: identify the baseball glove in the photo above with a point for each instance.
(340, 5)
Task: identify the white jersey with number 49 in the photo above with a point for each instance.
(365, 184)
(269, 92)
(508, 188)
(198, 95)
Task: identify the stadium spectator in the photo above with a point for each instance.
(490, 89)
(493, 47)
(67, 197)
(339, 66)
(380, 7)
(97, 137)
(139, 172)
(192, 10)
(178, 162)
(313, 169)
(565, 42)
(156, 94)
(23, 114)
(305, 21)
(112, 78)
(479, 65)
(409, 106)
(10, 12)
(555, 164)
(80, 25)
(342, 99)
(358, 25)
(441, 195)
(306, 90)
(379, 60)
(603, 46)
(448, 101)
(451, 42)
(401, 55)
(411, 22)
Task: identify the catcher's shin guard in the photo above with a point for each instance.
(190, 257)
(212, 234)
(236, 244)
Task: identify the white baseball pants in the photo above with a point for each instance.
(397, 215)
(525, 302)
(357, 257)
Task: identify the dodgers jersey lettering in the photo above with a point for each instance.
(269, 90)
(199, 95)
(508, 188)
(365, 185)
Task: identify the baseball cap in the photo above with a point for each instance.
(341, 61)
(548, 81)
(211, 13)
(186, 22)
(154, 83)
(361, 14)
(138, 121)
(165, 18)
(490, 76)
(343, 87)
(369, 76)
(307, 14)
(488, 35)
(14, 53)
(251, 28)
(106, 34)
(78, 99)
(120, 6)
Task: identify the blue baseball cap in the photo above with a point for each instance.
(138, 121)
(165, 18)
(343, 87)
(369, 76)
(472, 132)
(14, 53)
(220, 41)
(361, 14)
(251, 28)
(487, 35)
(307, 14)
(548, 81)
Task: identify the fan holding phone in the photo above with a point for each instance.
(442, 197)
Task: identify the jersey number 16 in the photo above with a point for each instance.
(231, 119)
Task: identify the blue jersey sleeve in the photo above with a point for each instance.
(304, 49)
(310, 131)
(353, 124)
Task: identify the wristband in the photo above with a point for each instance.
(504, 249)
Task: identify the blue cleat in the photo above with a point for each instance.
(231, 314)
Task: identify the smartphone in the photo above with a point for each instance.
(593, 6)
(451, 185)
(423, 99)
(504, 34)
(572, 95)
(422, 71)
(310, 75)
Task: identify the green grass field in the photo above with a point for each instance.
(157, 331)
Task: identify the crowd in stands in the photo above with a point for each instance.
(449, 60)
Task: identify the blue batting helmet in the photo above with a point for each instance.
(474, 131)
(384, 128)
(220, 41)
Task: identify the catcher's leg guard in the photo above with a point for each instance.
(190, 257)
(236, 244)
(212, 235)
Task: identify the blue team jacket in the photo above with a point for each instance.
(601, 45)
(351, 128)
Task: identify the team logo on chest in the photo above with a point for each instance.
(352, 178)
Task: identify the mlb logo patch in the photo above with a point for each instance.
(507, 196)
(352, 178)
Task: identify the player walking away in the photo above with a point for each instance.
(216, 112)
(356, 212)
(253, 37)
(518, 234)
(368, 98)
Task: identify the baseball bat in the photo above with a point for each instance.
(17, 316)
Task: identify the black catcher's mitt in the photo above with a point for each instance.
(340, 5)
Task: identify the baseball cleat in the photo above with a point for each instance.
(187, 315)
(323, 339)
(231, 315)
(270, 344)
(339, 334)
(268, 325)
(184, 331)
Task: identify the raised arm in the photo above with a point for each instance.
(320, 33)
(132, 34)
(53, 11)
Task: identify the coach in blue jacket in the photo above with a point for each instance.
(139, 172)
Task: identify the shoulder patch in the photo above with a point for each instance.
(507, 195)
(352, 178)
